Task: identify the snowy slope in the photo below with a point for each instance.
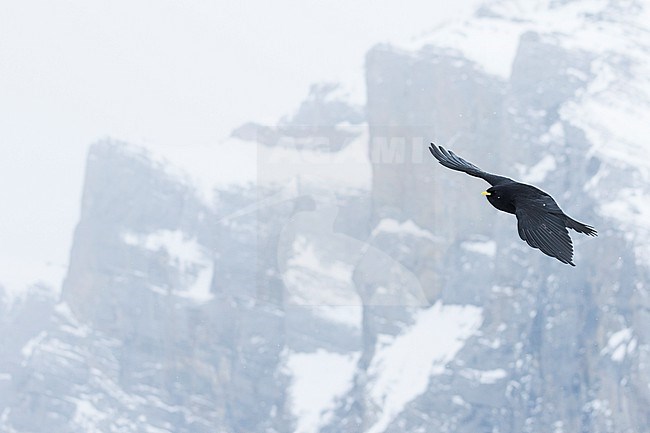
(403, 364)
(318, 379)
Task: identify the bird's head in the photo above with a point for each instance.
(500, 198)
(491, 193)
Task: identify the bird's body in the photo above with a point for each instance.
(540, 221)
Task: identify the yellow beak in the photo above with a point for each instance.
(485, 193)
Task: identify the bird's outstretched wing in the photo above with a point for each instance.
(450, 160)
(546, 231)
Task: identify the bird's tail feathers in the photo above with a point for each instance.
(580, 227)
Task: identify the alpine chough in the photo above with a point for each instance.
(540, 221)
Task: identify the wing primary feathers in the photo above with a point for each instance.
(450, 160)
(546, 232)
(545, 245)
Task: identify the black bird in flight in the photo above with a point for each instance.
(540, 221)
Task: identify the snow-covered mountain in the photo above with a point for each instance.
(324, 275)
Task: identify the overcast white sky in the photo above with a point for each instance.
(162, 73)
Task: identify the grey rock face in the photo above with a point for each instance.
(319, 123)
